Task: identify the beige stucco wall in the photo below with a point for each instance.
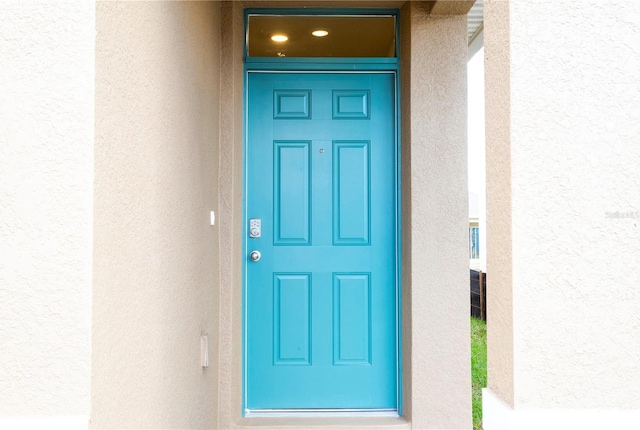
(156, 177)
(568, 153)
(46, 181)
(167, 112)
(230, 203)
(435, 219)
(575, 125)
(498, 184)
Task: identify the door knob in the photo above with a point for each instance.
(255, 255)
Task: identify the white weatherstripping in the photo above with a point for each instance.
(324, 413)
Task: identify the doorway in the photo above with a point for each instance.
(321, 297)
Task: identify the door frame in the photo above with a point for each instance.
(325, 66)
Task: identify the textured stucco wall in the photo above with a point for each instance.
(159, 269)
(498, 194)
(435, 229)
(575, 123)
(46, 176)
(230, 204)
(572, 225)
(156, 255)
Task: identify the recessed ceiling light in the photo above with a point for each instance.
(320, 33)
(279, 38)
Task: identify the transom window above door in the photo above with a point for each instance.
(337, 36)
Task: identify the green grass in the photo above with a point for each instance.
(478, 368)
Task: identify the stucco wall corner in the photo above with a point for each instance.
(230, 200)
(562, 181)
(438, 253)
(499, 232)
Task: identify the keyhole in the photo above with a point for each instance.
(321, 151)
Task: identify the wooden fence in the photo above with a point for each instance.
(478, 294)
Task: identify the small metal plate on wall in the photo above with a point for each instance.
(255, 228)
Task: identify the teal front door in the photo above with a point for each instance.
(321, 299)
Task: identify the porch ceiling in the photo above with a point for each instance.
(474, 18)
(391, 4)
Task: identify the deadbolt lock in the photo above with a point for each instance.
(255, 228)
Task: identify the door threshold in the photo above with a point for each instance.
(322, 413)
